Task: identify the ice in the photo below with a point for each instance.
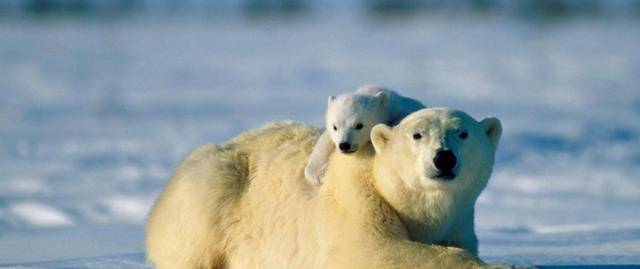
(23, 186)
(96, 112)
(128, 209)
(37, 215)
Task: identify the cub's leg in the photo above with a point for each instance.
(319, 159)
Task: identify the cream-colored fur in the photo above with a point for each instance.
(366, 107)
(245, 204)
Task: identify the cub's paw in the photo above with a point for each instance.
(315, 174)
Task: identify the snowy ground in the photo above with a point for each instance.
(96, 113)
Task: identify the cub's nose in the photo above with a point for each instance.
(445, 160)
(344, 146)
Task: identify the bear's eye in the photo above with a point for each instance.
(464, 135)
(417, 136)
(359, 126)
(335, 128)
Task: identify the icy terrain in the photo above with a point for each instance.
(96, 113)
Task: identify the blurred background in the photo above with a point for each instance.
(101, 99)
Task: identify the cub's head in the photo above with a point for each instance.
(350, 117)
(439, 148)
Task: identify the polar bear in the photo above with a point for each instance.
(348, 122)
(406, 201)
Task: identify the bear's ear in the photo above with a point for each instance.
(331, 98)
(380, 135)
(382, 97)
(493, 129)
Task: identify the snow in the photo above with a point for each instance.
(96, 113)
(39, 215)
(125, 261)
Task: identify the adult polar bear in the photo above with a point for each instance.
(246, 203)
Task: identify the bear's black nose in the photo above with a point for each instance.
(344, 146)
(445, 160)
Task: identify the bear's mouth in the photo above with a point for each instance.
(445, 175)
(349, 151)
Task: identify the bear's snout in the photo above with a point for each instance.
(445, 161)
(345, 147)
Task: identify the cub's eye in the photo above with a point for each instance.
(464, 135)
(335, 128)
(417, 136)
(359, 126)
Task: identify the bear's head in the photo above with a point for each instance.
(439, 148)
(350, 117)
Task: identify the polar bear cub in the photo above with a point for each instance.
(348, 122)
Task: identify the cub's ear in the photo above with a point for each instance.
(331, 98)
(493, 129)
(382, 97)
(380, 135)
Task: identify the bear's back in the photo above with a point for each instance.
(276, 209)
(279, 134)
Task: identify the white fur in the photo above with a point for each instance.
(368, 106)
(244, 204)
(443, 211)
